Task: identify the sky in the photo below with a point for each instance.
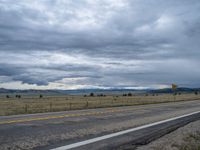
(78, 44)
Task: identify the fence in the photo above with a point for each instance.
(24, 106)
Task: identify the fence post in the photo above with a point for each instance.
(70, 106)
(66, 108)
(87, 105)
(26, 108)
(50, 106)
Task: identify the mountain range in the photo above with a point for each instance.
(96, 91)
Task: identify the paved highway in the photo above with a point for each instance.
(52, 130)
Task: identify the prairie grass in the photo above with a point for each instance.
(33, 104)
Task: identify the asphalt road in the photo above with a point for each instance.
(51, 130)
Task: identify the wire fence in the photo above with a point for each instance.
(26, 106)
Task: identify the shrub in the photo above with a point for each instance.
(18, 96)
(91, 94)
(124, 94)
(101, 95)
(129, 94)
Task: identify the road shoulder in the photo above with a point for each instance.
(187, 137)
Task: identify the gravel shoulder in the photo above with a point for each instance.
(184, 138)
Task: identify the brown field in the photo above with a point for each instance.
(34, 104)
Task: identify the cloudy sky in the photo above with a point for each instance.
(73, 44)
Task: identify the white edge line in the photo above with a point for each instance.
(78, 144)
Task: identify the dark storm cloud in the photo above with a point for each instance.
(106, 43)
(43, 74)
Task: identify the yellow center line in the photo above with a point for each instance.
(72, 115)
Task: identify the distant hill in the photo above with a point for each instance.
(70, 92)
(12, 91)
(169, 90)
(96, 91)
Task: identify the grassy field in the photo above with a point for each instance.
(34, 104)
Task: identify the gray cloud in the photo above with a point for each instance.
(100, 43)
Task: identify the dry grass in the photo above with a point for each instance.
(34, 104)
(191, 141)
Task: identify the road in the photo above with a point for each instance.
(52, 130)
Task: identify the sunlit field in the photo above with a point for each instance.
(36, 104)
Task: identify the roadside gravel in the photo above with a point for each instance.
(184, 138)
